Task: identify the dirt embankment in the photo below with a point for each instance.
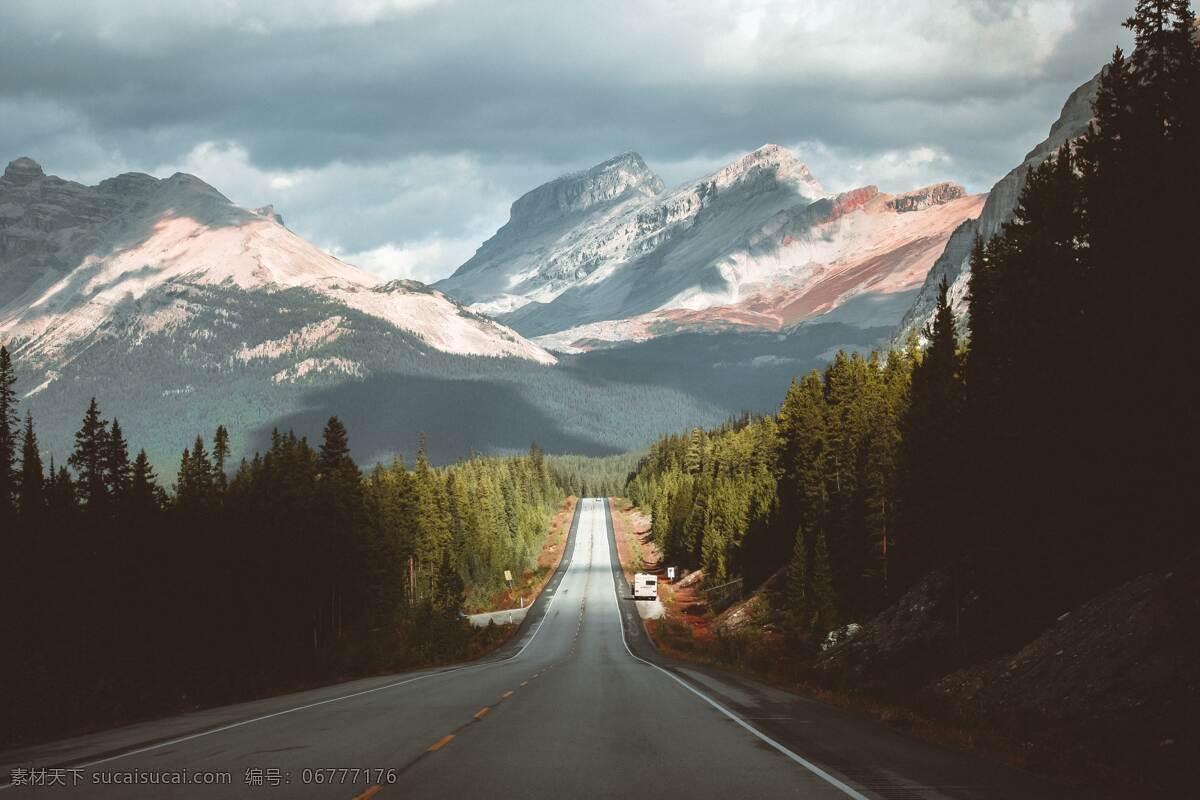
(1113, 687)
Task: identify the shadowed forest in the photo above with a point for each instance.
(129, 597)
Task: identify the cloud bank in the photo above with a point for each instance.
(397, 132)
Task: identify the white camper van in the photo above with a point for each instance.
(645, 587)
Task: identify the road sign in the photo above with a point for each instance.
(508, 575)
(670, 573)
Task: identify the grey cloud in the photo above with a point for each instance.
(385, 94)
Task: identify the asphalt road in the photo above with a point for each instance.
(577, 705)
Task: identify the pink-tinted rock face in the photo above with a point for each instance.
(888, 249)
(747, 245)
(808, 263)
(80, 259)
(852, 201)
(923, 198)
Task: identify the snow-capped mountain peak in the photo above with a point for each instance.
(769, 164)
(579, 229)
(619, 178)
(758, 243)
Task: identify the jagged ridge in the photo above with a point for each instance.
(758, 243)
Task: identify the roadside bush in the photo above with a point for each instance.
(673, 634)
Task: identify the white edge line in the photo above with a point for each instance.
(849, 791)
(223, 728)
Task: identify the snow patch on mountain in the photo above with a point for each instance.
(299, 341)
(545, 247)
(335, 365)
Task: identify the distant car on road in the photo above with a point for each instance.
(645, 586)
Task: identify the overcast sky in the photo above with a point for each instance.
(395, 133)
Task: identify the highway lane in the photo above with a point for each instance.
(578, 705)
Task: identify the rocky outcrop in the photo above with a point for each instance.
(49, 225)
(1111, 684)
(934, 195)
(270, 213)
(22, 172)
(620, 177)
(896, 652)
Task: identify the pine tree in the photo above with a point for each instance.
(8, 435)
(798, 581)
(220, 456)
(116, 462)
(449, 593)
(31, 491)
(1142, 145)
(695, 452)
(333, 459)
(803, 453)
(144, 496)
(194, 488)
(660, 523)
(696, 519)
(433, 532)
(184, 476)
(538, 459)
(62, 498)
(932, 454)
(823, 599)
(89, 458)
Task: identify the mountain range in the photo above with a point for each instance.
(607, 310)
(608, 255)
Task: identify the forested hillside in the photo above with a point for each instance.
(813, 487)
(125, 596)
(592, 476)
(1039, 457)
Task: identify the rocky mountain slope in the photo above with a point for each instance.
(549, 243)
(79, 261)
(606, 255)
(953, 264)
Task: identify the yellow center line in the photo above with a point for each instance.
(440, 743)
(369, 793)
(507, 694)
(524, 683)
(481, 713)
